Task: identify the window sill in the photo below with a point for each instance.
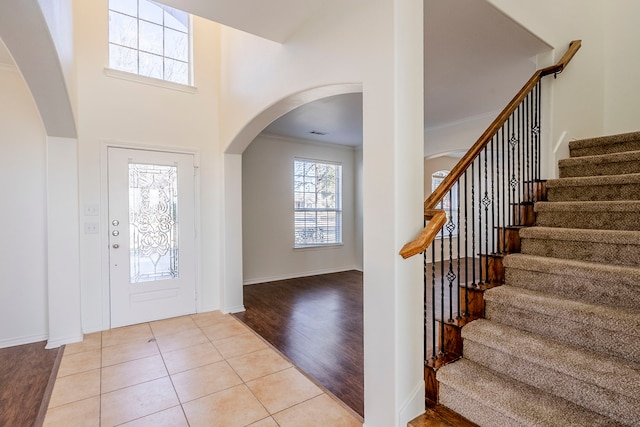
(124, 75)
(327, 246)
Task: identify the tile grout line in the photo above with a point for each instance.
(155, 339)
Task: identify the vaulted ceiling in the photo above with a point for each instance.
(475, 59)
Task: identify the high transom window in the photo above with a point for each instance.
(317, 193)
(149, 39)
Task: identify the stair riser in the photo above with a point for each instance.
(597, 150)
(473, 410)
(599, 169)
(590, 220)
(616, 292)
(606, 253)
(607, 402)
(594, 193)
(583, 335)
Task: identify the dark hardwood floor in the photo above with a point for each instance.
(25, 371)
(317, 323)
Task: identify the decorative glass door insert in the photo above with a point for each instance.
(153, 219)
(152, 235)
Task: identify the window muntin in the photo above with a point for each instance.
(450, 201)
(317, 193)
(150, 39)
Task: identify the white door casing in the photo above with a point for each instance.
(152, 246)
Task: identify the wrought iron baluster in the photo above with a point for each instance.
(493, 206)
(480, 241)
(539, 100)
(466, 250)
(442, 291)
(514, 180)
(504, 196)
(451, 277)
(473, 226)
(486, 202)
(433, 302)
(519, 188)
(458, 243)
(425, 305)
(527, 145)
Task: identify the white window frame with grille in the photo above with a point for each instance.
(135, 73)
(449, 203)
(317, 216)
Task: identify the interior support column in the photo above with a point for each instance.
(63, 262)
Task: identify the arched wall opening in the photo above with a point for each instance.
(232, 227)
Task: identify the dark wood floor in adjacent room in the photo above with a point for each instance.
(317, 323)
(25, 371)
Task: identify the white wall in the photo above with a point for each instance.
(576, 97)
(23, 283)
(456, 137)
(359, 212)
(378, 45)
(267, 214)
(622, 66)
(131, 112)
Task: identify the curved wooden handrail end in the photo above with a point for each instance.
(437, 218)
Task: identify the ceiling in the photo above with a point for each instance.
(274, 19)
(5, 57)
(476, 58)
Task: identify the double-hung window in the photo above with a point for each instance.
(317, 194)
(150, 39)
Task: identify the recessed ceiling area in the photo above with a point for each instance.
(336, 119)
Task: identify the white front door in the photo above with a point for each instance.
(152, 248)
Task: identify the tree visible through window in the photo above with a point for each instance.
(450, 201)
(317, 193)
(149, 39)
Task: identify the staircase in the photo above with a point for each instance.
(560, 344)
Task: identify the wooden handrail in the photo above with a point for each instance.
(428, 234)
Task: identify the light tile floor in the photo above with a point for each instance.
(201, 370)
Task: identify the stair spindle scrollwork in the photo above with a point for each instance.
(469, 215)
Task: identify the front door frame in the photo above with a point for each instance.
(104, 218)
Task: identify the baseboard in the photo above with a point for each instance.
(414, 406)
(63, 341)
(301, 274)
(208, 309)
(23, 340)
(236, 309)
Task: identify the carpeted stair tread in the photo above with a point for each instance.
(620, 247)
(607, 187)
(607, 385)
(490, 399)
(589, 206)
(614, 285)
(604, 164)
(608, 215)
(605, 144)
(598, 316)
(599, 328)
